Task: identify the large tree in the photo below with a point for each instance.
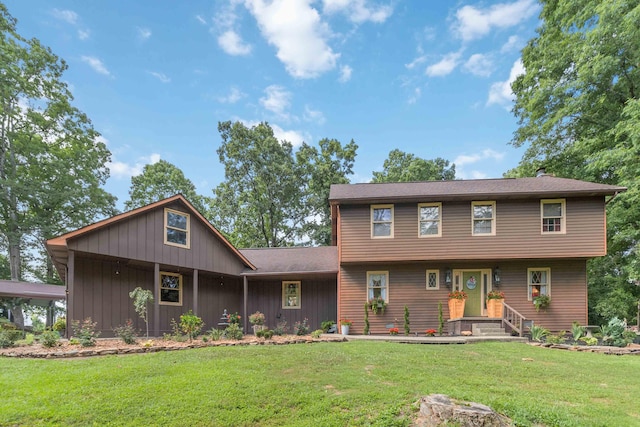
(578, 112)
(406, 167)
(159, 181)
(52, 165)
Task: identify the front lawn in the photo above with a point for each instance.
(320, 384)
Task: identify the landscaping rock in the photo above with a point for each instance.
(438, 410)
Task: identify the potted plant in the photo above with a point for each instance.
(430, 332)
(456, 304)
(344, 326)
(541, 302)
(394, 331)
(377, 304)
(257, 320)
(494, 304)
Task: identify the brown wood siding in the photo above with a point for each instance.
(318, 302)
(518, 233)
(407, 287)
(215, 295)
(142, 238)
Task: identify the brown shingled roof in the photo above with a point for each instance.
(504, 188)
(292, 260)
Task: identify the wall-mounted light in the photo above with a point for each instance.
(497, 276)
(447, 277)
(117, 268)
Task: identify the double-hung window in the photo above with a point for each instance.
(429, 219)
(552, 213)
(176, 228)
(539, 282)
(378, 285)
(483, 218)
(382, 221)
(291, 294)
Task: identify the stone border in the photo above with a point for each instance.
(618, 351)
(90, 352)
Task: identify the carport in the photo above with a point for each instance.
(38, 294)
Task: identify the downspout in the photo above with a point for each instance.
(245, 282)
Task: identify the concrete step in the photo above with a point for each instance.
(488, 330)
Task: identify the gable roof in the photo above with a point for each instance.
(293, 260)
(478, 189)
(58, 250)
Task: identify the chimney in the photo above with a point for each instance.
(541, 172)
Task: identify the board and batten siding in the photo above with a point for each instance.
(518, 233)
(141, 238)
(407, 286)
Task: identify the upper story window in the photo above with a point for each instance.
(378, 285)
(433, 279)
(539, 282)
(176, 226)
(429, 218)
(484, 218)
(291, 294)
(170, 289)
(381, 221)
(553, 215)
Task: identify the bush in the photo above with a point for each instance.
(301, 328)
(578, 331)
(126, 333)
(233, 332)
(615, 333)
(316, 333)
(50, 338)
(176, 334)
(326, 325)
(8, 337)
(257, 318)
(538, 333)
(191, 324)
(265, 333)
(589, 340)
(215, 334)
(558, 338)
(85, 332)
(281, 328)
(60, 325)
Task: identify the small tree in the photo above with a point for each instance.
(142, 297)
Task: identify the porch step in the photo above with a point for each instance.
(488, 330)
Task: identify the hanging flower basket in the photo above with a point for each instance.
(377, 305)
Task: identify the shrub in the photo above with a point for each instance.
(215, 334)
(265, 333)
(558, 338)
(614, 333)
(281, 328)
(538, 333)
(301, 328)
(257, 318)
(326, 325)
(367, 326)
(85, 332)
(578, 331)
(316, 333)
(589, 340)
(191, 324)
(126, 333)
(233, 332)
(234, 318)
(8, 337)
(50, 338)
(440, 319)
(407, 329)
(60, 325)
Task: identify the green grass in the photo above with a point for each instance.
(322, 384)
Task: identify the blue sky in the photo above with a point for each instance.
(155, 77)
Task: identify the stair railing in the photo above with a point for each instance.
(516, 321)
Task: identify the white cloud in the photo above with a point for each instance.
(296, 138)
(357, 10)
(299, 35)
(512, 44)
(419, 60)
(233, 44)
(96, 64)
(464, 160)
(122, 170)
(479, 65)
(314, 116)
(277, 100)
(201, 20)
(160, 76)
(83, 34)
(446, 65)
(234, 96)
(472, 22)
(500, 92)
(69, 16)
(415, 96)
(143, 33)
(345, 73)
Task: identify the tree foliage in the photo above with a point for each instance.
(578, 109)
(406, 167)
(159, 181)
(52, 164)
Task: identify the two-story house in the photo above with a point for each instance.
(409, 243)
(413, 243)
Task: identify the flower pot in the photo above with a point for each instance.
(456, 308)
(344, 329)
(494, 308)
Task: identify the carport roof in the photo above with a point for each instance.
(15, 289)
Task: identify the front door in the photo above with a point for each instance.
(475, 283)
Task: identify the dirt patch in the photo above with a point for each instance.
(108, 346)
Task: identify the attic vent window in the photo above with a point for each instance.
(176, 226)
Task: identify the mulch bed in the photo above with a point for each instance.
(110, 346)
(631, 349)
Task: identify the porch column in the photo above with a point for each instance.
(156, 299)
(195, 292)
(245, 296)
(71, 268)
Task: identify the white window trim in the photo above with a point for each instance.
(285, 284)
(529, 284)
(563, 222)
(386, 281)
(437, 273)
(167, 226)
(390, 236)
(430, 205)
(493, 218)
(179, 276)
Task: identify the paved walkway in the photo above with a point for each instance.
(433, 340)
